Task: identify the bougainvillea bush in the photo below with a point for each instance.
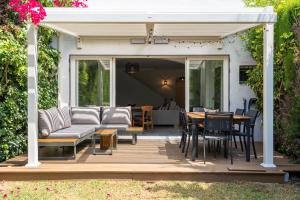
(13, 69)
(286, 72)
(33, 10)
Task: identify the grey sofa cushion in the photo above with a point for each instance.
(117, 115)
(66, 116)
(119, 127)
(85, 115)
(45, 127)
(74, 131)
(55, 119)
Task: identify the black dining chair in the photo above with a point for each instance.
(198, 109)
(238, 111)
(253, 114)
(218, 127)
(186, 132)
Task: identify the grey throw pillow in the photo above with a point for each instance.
(45, 126)
(86, 115)
(118, 115)
(66, 116)
(56, 120)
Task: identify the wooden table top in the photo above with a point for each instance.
(106, 131)
(201, 116)
(135, 129)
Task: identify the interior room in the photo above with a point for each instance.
(158, 82)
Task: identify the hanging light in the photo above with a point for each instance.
(181, 78)
(132, 68)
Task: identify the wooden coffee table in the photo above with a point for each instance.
(108, 141)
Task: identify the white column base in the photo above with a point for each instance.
(32, 165)
(268, 165)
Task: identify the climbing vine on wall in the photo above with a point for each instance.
(13, 78)
(286, 72)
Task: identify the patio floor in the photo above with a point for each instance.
(148, 159)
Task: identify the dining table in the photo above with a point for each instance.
(196, 117)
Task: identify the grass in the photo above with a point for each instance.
(127, 189)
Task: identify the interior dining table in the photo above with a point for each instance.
(196, 117)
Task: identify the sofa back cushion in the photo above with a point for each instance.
(45, 126)
(66, 116)
(49, 121)
(117, 115)
(56, 119)
(85, 115)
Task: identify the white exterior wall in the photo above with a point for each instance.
(232, 46)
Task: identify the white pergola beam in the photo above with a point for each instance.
(32, 97)
(268, 96)
(84, 15)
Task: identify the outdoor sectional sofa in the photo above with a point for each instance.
(70, 126)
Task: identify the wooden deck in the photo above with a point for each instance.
(148, 160)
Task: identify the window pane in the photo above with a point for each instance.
(93, 83)
(206, 77)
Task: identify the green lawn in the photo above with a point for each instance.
(113, 189)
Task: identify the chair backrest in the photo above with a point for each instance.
(239, 111)
(147, 111)
(184, 120)
(220, 121)
(253, 114)
(198, 109)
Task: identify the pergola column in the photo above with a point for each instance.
(268, 95)
(32, 97)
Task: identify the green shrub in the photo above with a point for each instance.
(13, 78)
(286, 72)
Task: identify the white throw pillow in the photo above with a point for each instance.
(117, 115)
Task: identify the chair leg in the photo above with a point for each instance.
(253, 145)
(231, 156)
(245, 144)
(184, 142)
(234, 142)
(225, 149)
(241, 142)
(208, 146)
(180, 144)
(204, 155)
(188, 145)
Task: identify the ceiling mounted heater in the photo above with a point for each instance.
(132, 68)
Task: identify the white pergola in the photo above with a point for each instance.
(166, 18)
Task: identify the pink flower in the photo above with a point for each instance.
(79, 3)
(30, 10)
(34, 11)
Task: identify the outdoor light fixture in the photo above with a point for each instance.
(132, 68)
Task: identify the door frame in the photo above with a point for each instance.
(74, 75)
(226, 80)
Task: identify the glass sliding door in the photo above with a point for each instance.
(93, 82)
(206, 84)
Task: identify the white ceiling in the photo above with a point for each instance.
(139, 30)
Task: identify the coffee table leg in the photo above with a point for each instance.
(134, 139)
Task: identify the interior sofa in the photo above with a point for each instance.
(166, 117)
(69, 127)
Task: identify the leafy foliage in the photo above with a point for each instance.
(286, 72)
(13, 78)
